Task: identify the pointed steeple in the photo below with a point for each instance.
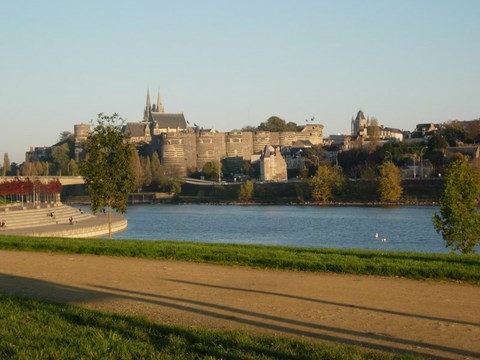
(148, 108)
(159, 103)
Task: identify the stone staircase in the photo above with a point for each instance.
(29, 216)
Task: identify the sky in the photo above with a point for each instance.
(228, 64)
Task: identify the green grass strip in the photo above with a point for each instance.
(31, 329)
(363, 262)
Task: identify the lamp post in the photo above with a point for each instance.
(414, 167)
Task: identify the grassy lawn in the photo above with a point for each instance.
(31, 329)
(381, 263)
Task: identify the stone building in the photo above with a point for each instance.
(359, 124)
(184, 149)
(273, 166)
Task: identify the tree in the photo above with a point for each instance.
(459, 218)
(158, 176)
(373, 132)
(106, 168)
(61, 156)
(147, 172)
(453, 133)
(72, 167)
(246, 191)
(64, 136)
(211, 170)
(137, 169)
(390, 188)
(327, 181)
(472, 131)
(6, 165)
(274, 123)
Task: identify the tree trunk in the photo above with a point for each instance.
(109, 222)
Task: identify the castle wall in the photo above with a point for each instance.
(210, 147)
(190, 151)
(312, 133)
(173, 153)
(260, 140)
(239, 144)
(286, 138)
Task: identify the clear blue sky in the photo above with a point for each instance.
(227, 64)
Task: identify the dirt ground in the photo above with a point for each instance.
(437, 319)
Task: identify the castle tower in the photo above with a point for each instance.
(359, 124)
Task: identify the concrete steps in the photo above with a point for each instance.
(17, 217)
(37, 221)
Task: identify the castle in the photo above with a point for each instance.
(185, 149)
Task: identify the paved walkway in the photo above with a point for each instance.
(439, 319)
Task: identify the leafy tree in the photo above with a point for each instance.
(6, 165)
(437, 142)
(26, 168)
(373, 132)
(249, 128)
(274, 123)
(459, 218)
(147, 171)
(137, 169)
(453, 133)
(472, 132)
(61, 156)
(314, 156)
(390, 188)
(246, 191)
(158, 176)
(72, 167)
(106, 168)
(64, 135)
(353, 161)
(211, 170)
(327, 181)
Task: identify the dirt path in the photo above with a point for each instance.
(425, 318)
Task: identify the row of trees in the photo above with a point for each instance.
(56, 161)
(32, 190)
(150, 174)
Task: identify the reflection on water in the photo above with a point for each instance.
(398, 228)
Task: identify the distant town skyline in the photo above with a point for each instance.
(227, 65)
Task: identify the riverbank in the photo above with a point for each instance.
(58, 220)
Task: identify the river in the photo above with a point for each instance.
(407, 228)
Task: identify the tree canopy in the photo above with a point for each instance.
(390, 188)
(274, 123)
(106, 168)
(327, 181)
(459, 218)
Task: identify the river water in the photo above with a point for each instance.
(407, 228)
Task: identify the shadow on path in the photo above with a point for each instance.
(50, 291)
(327, 302)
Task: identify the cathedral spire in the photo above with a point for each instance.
(148, 108)
(159, 103)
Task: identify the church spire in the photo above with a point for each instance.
(159, 103)
(148, 108)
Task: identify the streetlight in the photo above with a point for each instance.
(414, 166)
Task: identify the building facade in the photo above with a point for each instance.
(185, 149)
